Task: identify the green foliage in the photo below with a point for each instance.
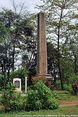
(52, 58)
(20, 73)
(58, 84)
(73, 78)
(15, 32)
(41, 97)
(67, 87)
(1, 81)
(16, 103)
(3, 30)
(10, 100)
(33, 100)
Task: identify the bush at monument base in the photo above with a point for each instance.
(41, 97)
(37, 78)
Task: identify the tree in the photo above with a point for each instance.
(15, 30)
(52, 60)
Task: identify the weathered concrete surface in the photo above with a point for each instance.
(41, 46)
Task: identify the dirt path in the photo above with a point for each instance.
(68, 103)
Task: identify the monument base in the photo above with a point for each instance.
(18, 91)
(48, 76)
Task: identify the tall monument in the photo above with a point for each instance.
(41, 46)
(42, 51)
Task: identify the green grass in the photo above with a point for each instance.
(64, 95)
(60, 111)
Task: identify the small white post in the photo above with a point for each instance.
(25, 84)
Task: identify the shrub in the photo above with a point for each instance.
(52, 104)
(10, 100)
(67, 87)
(16, 104)
(33, 100)
(1, 109)
(41, 97)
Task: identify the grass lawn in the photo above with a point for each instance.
(64, 95)
(60, 111)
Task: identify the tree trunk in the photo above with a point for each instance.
(13, 57)
(75, 69)
(59, 69)
(4, 73)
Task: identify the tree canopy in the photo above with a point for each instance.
(15, 31)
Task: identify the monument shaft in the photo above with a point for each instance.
(41, 46)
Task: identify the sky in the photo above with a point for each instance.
(30, 4)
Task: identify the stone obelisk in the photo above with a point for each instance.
(42, 51)
(41, 46)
